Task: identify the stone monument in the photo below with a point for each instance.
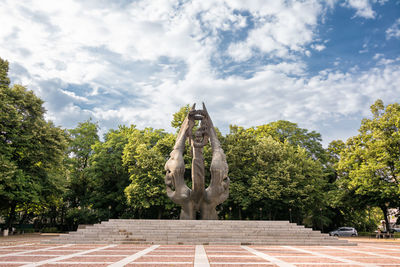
(197, 199)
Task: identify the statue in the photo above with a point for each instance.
(197, 199)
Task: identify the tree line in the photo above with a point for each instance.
(55, 177)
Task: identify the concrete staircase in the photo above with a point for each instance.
(123, 231)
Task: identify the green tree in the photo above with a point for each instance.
(80, 186)
(239, 150)
(273, 179)
(340, 206)
(4, 80)
(288, 131)
(334, 150)
(369, 165)
(180, 116)
(287, 178)
(31, 150)
(109, 176)
(145, 156)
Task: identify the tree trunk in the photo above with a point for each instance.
(159, 213)
(140, 213)
(62, 215)
(386, 216)
(11, 216)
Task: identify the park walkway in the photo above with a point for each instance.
(22, 252)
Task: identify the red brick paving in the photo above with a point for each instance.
(235, 259)
(161, 265)
(378, 253)
(9, 251)
(377, 260)
(93, 259)
(164, 259)
(326, 265)
(343, 253)
(309, 259)
(392, 255)
(51, 252)
(242, 265)
(168, 253)
(241, 253)
(113, 252)
(74, 265)
(25, 258)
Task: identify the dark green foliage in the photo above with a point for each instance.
(109, 176)
(369, 167)
(4, 80)
(239, 149)
(80, 186)
(31, 151)
(145, 156)
(278, 171)
(269, 177)
(288, 131)
(180, 116)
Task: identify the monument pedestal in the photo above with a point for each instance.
(204, 232)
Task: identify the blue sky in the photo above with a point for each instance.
(320, 64)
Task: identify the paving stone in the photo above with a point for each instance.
(213, 259)
(376, 253)
(26, 258)
(93, 259)
(164, 259)
(376, 260)
(308, 259)
(50, 252)
(397, 254)
(75, 265)
(252, 264)
(325, 265)
(171, 253)
(9, 251)
(175, 264)
(239, 253)
(343, 253)
(113, 252)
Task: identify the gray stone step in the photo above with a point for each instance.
(124, 231)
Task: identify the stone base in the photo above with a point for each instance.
(192, 232)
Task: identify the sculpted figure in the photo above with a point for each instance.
(197, 199)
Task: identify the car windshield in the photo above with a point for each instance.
(345, 229)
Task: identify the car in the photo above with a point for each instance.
(344, 231)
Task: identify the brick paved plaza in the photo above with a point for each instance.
(369, 252)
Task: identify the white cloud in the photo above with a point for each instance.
(394, 30)
(139, 62)
(239, 51)
(378, 56)
(363, 8)
(318, 47)
(282, 28)
(381, 2)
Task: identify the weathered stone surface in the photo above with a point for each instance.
(197, 199)
(128, 231)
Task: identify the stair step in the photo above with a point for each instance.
(125, 231)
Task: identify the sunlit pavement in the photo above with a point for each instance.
(369, 252)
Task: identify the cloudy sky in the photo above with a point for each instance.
(320, 64)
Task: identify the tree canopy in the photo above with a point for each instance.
(369, 166)
(31, 150)
(278, 171)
